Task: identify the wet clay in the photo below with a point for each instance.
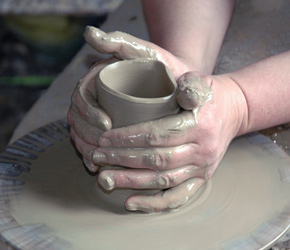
(120, 45)
(252, 181)
(133, 92)
(193, 92)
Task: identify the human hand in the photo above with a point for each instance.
(126, 47)
(86, 118)
(192, 150)
(176, 153)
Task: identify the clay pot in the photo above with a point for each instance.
(134, 92)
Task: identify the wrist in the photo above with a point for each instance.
(237, 107)
(241, 107)
(195, 65)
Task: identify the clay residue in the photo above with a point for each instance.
(142, 91)
(65, 196)
(120, 45)
(193, 91)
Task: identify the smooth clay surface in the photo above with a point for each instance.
(136, 91)
(248, 195)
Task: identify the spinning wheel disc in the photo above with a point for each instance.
(49, 200)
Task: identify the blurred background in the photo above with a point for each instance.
(37, 40)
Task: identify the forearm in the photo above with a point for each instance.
(266, 87)
(191, 30)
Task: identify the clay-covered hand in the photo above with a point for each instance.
(178, 153)
(86, 118)
(126, 47)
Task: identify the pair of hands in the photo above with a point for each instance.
(176, 154)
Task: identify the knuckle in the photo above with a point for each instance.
(163, 181)
(164, 130)
(155, 137)
(157, 160)
(166, 181)
(185, 123)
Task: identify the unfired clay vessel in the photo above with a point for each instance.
(137, 91)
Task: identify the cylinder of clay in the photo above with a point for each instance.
(133, 92)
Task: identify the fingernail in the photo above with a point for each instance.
(93, 168)
(104, 142)
(99, 157)
(107, 181)
(131, 206)
(90, 165)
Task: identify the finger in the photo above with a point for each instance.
(167, 131)
(158, 159)
(90, 165)
(84, 99)
(170, 199)
(119, 44)
(85, 131)
(148, 179)
(193, 90)
(84, 148)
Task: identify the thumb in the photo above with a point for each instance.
(193, 90)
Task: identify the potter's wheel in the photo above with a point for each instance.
(49, 200)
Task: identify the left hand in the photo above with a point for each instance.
(85, 117)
